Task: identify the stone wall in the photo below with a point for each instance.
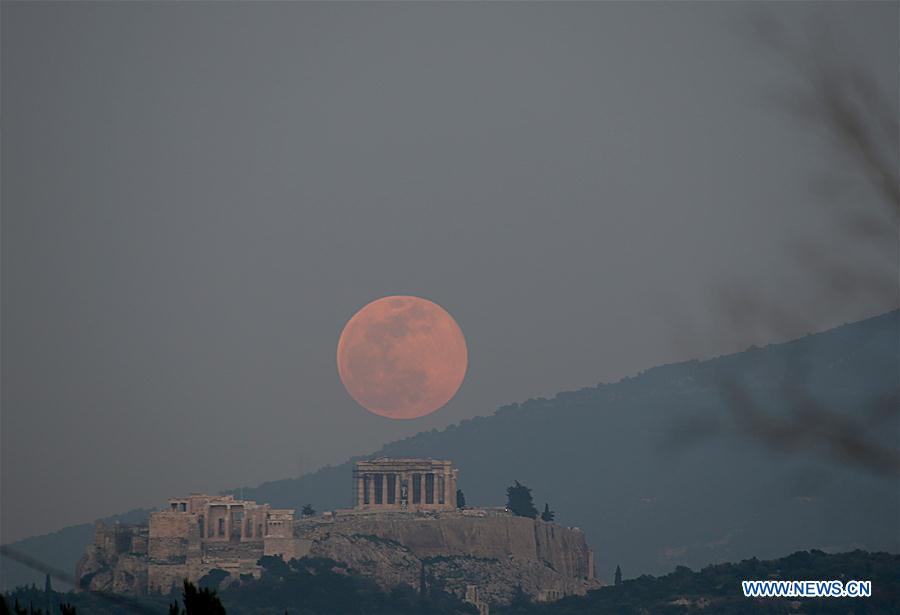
(116, 561)
(287, 548)
(493, 551)
(565, 550)
(161, 578)
(168, 537)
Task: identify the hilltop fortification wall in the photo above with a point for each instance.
(487, 536)
(495, 552)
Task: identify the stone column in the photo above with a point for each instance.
(403, 499)
(359, 490)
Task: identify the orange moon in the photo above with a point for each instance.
(402, 357)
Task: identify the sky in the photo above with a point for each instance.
(197, 197)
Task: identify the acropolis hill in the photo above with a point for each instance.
(405, 521)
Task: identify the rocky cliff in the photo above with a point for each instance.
(496, 552)
(116, 561)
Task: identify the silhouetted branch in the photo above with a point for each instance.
(856, 113)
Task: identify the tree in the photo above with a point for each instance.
(308, 511)
(48, 594)
(548, 515)
(519, 501)
(460, 499)
(618, 578)
(198, 602)
(520, 600)
(213, 578)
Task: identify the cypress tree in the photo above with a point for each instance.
(548, 515)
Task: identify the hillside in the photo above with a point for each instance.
(717, 589)
(611, 459)
(652, 468)
(322, 586)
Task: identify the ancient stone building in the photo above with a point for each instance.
(200, 533)
(187, 539)
(405, 526)
(386, 484)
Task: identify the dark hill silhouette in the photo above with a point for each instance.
(717, 589)
(653, 468)
(324, 587)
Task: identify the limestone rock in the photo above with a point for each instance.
(497, 552)
(116, 561)
(492, 551)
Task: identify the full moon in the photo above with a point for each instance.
(402, 357)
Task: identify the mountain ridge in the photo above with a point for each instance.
(671, 507)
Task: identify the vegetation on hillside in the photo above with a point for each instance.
(548, 515)
(519, 501)
(309, 586)
(717, 589)
(202, 601)
(318, 586)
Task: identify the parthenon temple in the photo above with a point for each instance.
(405, 484)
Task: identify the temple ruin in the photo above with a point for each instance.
(405, 520)
(186, 540)
(386, 484)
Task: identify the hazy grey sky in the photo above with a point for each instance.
(196, 197)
